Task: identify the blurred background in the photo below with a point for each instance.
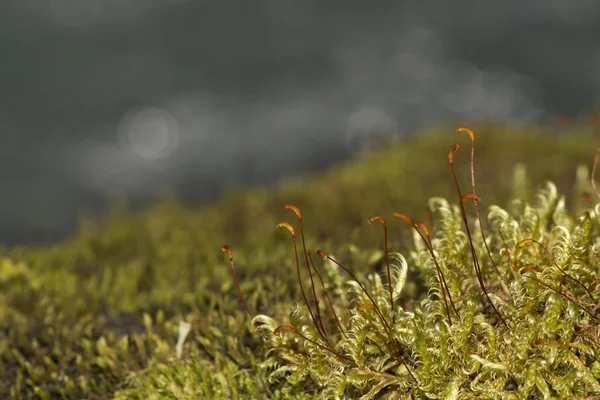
(105, 98)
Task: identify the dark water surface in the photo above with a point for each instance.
(114, 97)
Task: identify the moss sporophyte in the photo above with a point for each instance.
(511, 311)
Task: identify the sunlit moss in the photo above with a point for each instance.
(548, 348)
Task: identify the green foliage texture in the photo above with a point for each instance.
(100, 315)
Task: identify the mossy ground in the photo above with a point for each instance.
(97, 315)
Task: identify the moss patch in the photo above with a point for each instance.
(98, 314)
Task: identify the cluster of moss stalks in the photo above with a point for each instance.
(513, 313)
(140, 306)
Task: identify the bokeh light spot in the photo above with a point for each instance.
(150, 133)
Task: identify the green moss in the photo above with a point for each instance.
(72, 315)
(548, 347)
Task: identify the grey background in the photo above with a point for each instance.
(122, 97)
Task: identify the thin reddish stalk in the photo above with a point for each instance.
(396, 355)
(296, 211)
(531, 267)
(531, 240)
(431, 221)
(441, 278)
(290, 328)
(293, 233)
(339, 325)
(596, 161)
(510, 261)
(323, 255)
(469, 131)
(453, 148)
(226, 249)
(387, 259)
